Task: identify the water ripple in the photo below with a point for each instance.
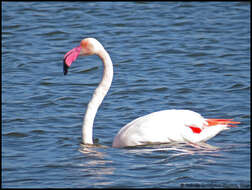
(166, 55)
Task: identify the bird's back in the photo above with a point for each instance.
(158, 127)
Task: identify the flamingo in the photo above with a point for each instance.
(159, 127)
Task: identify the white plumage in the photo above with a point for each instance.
(164, 127)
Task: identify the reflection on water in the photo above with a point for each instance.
(89, 149)
(178, 148)
(96, 164)
(177, 158)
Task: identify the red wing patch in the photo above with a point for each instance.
(213, 122)
(195, 129)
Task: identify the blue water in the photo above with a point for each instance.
(166, 55)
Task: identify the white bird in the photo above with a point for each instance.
(155, 128)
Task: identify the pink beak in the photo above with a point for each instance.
(70, 57)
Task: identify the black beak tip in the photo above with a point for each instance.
(65, 67)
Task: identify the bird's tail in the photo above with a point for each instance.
(228, 122)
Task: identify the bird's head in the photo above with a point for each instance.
(88, 46)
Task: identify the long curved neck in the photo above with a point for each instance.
(99, 94)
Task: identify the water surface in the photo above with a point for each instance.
(166, 55)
